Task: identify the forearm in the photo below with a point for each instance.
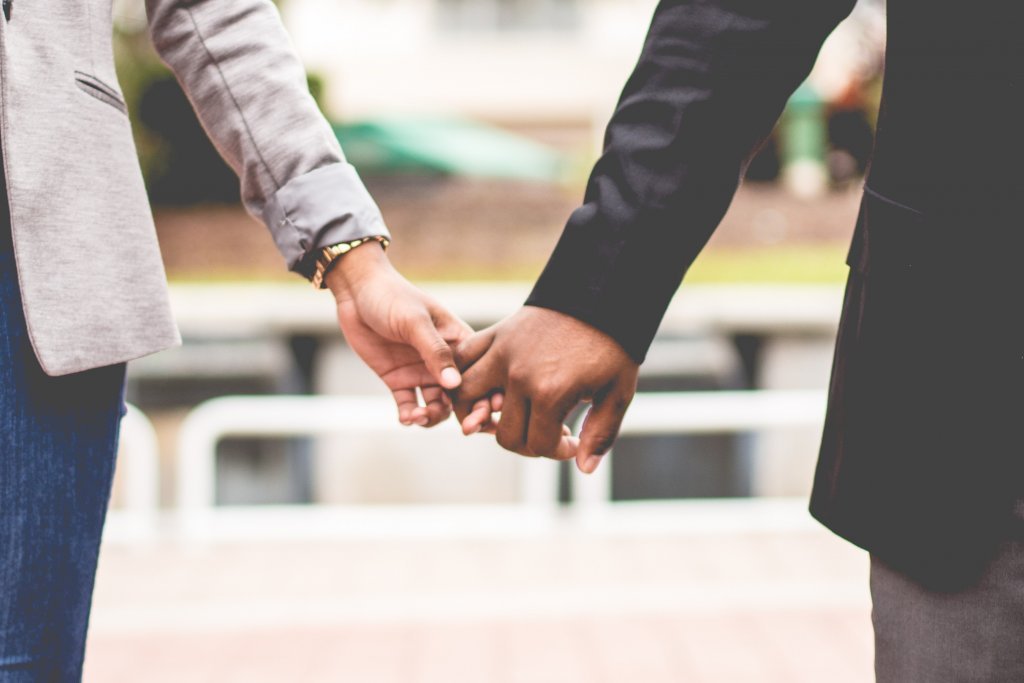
(710, 84)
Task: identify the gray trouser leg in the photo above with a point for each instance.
(966, 636)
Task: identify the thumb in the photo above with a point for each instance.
(435, 352)
(473, 349)
(601, 428)
(454, 329)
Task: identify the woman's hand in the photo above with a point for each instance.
(400, 332)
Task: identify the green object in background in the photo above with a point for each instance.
(448, 146)
(804, 137)
(804, 131)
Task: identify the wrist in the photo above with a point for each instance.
(356, 267)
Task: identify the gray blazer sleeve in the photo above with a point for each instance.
(238, 68)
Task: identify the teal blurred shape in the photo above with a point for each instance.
(447, 146)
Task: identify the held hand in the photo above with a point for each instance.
(400, 332)
(539, 365)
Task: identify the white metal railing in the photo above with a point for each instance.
(710, 412)
(136, 515)
(281, 416)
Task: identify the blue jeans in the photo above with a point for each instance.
(58, 440)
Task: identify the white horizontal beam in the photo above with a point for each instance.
(699, 412)
(670, 413)
(283, 416)
(708, 412)
(235, 310)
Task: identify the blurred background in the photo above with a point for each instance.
(271, 520)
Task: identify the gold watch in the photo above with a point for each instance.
(329, 256)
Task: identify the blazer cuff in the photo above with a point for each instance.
(323, 207)
(621, 286)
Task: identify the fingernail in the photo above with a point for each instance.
(423, 421)
(591, 464)
(450, 378)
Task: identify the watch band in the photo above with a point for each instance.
(329, 256)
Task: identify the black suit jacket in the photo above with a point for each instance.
(921, 461)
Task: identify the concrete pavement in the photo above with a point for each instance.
(763, 606)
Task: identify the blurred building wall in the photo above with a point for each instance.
(551, 60)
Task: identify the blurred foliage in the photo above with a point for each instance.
(179, 163)
(137, 67)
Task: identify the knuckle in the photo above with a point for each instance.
(409, 323)
(441, 349)
(604, 442)
(518, 376)
(516, 446)
(620, 404)
(543, 445)
(506, 440)
(546, 391)
(442, 352)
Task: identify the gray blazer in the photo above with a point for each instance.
(91, 276)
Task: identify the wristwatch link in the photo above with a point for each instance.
(329, 256)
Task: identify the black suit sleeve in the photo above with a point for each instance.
(713, 78)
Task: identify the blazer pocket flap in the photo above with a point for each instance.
(93, 86)
(889, 236)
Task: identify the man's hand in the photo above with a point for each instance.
(403, 334)
(536, 367)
